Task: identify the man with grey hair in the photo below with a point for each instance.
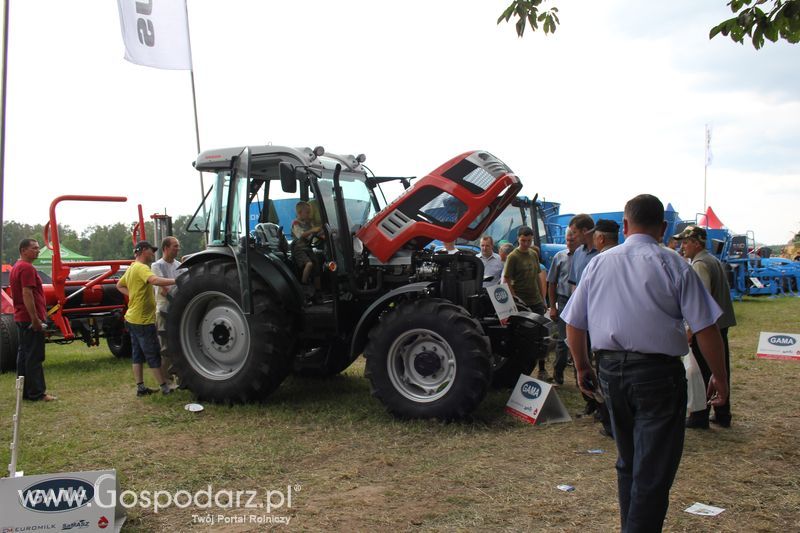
(505, 249)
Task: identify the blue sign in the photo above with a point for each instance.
(531, 390)
(501, 295)
(56, 495)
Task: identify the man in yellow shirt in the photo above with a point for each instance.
(137, 284)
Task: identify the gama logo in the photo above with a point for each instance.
(531, 390)
(56, 495)
(782, 340)
(501, 295)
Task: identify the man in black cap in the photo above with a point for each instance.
(137, 284)
(715, 280)
(605, 235)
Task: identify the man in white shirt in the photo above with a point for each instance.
(492, 265)
(166, 267)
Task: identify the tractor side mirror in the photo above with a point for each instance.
(288, 179)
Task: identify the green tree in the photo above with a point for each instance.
(191, 242)
(14, 232)
(759, 20)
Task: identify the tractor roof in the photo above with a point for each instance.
(220, 159)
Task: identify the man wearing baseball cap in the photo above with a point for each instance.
(137, 284)
(605, 234)
(715, 280)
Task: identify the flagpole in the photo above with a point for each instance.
(194, 102)
(3, 124)
(705, 169)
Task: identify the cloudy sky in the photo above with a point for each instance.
(611, 106)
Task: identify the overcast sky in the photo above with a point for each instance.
(611, 106)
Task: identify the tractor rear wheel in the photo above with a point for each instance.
(428, 358)
(220, 353)
(10, 343)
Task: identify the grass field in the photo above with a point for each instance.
(353, 467)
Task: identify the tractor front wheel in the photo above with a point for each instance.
(428, 358)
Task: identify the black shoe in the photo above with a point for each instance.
(723, 422)
(606, 433)
(559, 378)
(591, 407)
(144, 391)
(696, 423)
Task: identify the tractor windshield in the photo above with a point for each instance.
(211, 216)
(357, 198)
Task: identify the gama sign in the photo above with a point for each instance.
(784, 346)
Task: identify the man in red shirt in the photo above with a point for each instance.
(29, 314)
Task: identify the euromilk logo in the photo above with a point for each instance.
(501, 295)
(531, 390)
(782, 340)
(56, 495)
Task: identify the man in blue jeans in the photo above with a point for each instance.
(633, 300)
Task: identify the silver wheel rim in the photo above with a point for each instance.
(215, 336)
(421, 365)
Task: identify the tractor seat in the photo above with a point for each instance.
(270, 236)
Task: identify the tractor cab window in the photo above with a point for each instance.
(541, 224)
(212, 215)
(274, 205)
(357, 199)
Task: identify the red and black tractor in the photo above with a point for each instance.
(240, 321)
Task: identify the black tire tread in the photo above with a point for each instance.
(10, 343)
(470, 345)
(270, 332)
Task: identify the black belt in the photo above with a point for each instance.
(634, 356)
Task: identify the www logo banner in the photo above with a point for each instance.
(56, 495)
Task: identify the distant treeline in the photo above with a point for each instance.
(98, 242)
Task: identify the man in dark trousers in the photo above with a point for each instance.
(714, 279)
(605, 235)
(29, 314)
(634, 299)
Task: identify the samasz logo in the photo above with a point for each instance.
(78, 524)
(501, 295)
(531, 390)
(56, 495)
(782, 340)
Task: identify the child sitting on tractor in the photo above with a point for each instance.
(303, 233)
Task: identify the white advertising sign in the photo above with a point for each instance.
(535, 401)
(503, 302)
(779, 346)
(86, 501)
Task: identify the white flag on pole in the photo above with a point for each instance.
(709, 155)
(156, 33)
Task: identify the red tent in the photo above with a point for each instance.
(710, 220)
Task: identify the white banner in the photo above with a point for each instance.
(784, 346)
(156, 33)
